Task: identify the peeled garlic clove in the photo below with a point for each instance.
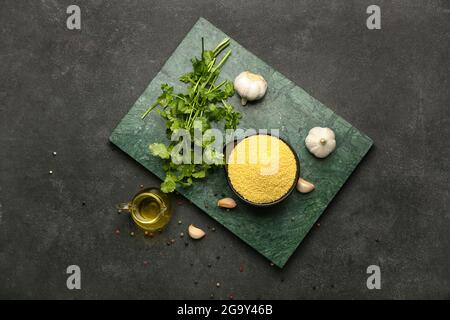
(195, 233)
(227, 203)
(304, 186)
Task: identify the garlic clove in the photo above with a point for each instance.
(227, 203)
(195, 233)
(304, 186)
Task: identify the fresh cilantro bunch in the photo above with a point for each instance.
(203, 103)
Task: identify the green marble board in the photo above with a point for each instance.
(277, 231)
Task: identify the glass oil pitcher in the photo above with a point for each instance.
(150, 209)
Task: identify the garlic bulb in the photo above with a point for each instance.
(250, 86)
(321, 141)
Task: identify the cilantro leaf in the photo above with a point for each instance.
(169, 184)
(160, 150)
(199, 174)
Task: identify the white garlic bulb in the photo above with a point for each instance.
(250, 86)
(320, 141)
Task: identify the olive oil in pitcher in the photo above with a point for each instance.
(150, 209)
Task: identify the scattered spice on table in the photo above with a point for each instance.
(231, 296)
(117, 231)
(50, 172)
(218, 284)
(181, 235)
(132, 234)
(241, 268)
(145, 262)
(54, 153)
(179, 222)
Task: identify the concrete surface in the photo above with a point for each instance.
(65, 91)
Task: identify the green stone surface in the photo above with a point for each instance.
(276, 231)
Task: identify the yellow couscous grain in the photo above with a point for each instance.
(262, 168)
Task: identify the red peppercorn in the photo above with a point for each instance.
(117, 231)
(241, 268)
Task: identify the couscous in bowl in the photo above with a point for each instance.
(262, 169)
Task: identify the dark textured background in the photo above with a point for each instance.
(65, 91)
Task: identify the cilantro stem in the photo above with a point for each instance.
(179, 97)
(214, 88)
(222, 61)
(196, 85)
(203, 47)
(211, 64)
(149, 110)
(225, 43)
